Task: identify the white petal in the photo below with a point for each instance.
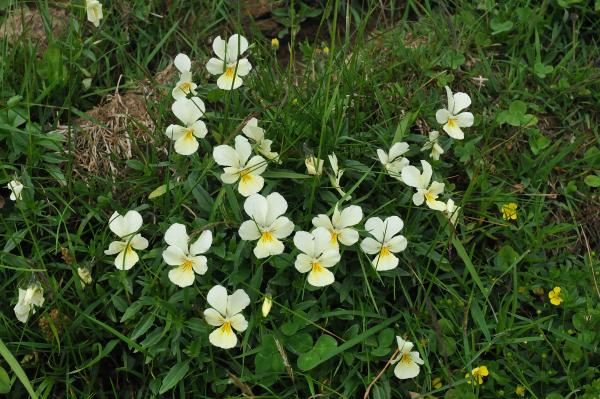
(182, 63)
(265, 248)
(202, 244)
(126, 259)
(442, 116)
(418, 197)
(427, 173)
(405, 370)
(411, 176)
(219, 47)
(223, 338)
(115, 247)
(173, 256)
(461, 101)
(397, 150)
(304, 241)
(320, 277)
(188, 110)
(248, 231)
(374, 226)
(348, 236)
(303, 263)
(174, 132)
(449, 98)
(387, 262)
(329, 258)
(277, 205)
(138, 242)
(464, 119)
(177, 235)
(397, 244)
(213, 317)
(243, 148)
(215, 66)
(239, 322)
(181, 277)
(217, 298)
(322, 220)
(199, 129)
(243, 67)
(199, 264)
(370, 246)
(225, 155)
(229, 81)
(349, 216)
(454, 131)
(250, 184)
(237, 302)
(282, 227)
(383, 157)
(322, 240)
(256, 206)
(392, 226)
(125, 225)
(236, 46)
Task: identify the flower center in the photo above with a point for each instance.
(186, 87)
(187, 265)
(452, 122)
(316, 267)
(266, 236)
(189, 134)
(429, 196)
(229, 72)
(406, 358)
(385, 251)
(334, 237)
(245, 177)
(226, 327)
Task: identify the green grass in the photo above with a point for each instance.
(476, 295)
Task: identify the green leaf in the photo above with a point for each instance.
(537, 141)
(300, 343)
(325, 345)
(592, 181)
(498, 26)
(542, 70)
(4, 381)
(158, 191)
(16, 368)
(174, 375)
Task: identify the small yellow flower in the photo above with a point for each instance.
(477, 374)
(509, 211)
(275, 43)
(520, 390)
(326, 50)
(555, 298)
(437, 383)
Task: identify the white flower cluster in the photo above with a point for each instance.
(243, 165)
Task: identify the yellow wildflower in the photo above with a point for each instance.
(509, 211)
(437, 383)
(555, 297)
(520, 390)
(477, 375)
(275, 43)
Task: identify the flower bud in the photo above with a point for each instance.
(275, 43)
(266, 306)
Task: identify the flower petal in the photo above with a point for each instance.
(202, 244)
(374, 226)
(320, 277)
(229, 81)
(393, 225)
(126, 259)
(223, 338)
(213, 317)
(186, 145)
(237, 302)
(199, 264)
(219, 46)
(370, 246)
(176, 235)
(239, 322)
(461, 101)
(348, 236)
(115, 247)
(215, 66)
(304, 241)
(250, 184)
(442, 116)
(248, 231)
(138, 242)
(217, 298)
(405, 370)
(349, 216)
(411, 176)
(243, 67)
(322, 220)
(397, 244)
(464, 119)
(225, 155)
(454, 131)
(174, 256)
(282, 227)
(182, 63)
(266, 248)
(256, 206)
(388, 261)
(236, 46)
(277, 205)
(181, 277)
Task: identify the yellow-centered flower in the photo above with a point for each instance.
(509, 211)
(555, 296)
(477, 375)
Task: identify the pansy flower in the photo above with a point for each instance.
(239, 166)
(188, 111)
(316, 257)
(385, 241)
(452, 118)
(425, 192)
(228, 64)
(340, 224)
(186, 258)
(226, 314)
(185, 85)
(126, 227)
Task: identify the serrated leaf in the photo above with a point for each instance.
(592, 181)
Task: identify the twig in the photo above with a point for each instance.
(381, 373)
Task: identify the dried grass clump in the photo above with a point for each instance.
(28, 23)
(106, 138)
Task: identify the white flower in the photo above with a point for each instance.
(257, 134)
(425, 192)
(408, 362)
(185, 85)
(267, 305)
(227, 64)
(239, 166)
(186, 257)
(84, 275)
(386, 242)
(126, 227)
(267, 225)
(94, 11)
(452, 211)
(28, 299)
(337, 175)
(314, 166)
(317, 256)
(189, 112)
(452, 118)
(433, 145)
(394, 162)
(225, 313)
(340, 224)
(15, 187)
